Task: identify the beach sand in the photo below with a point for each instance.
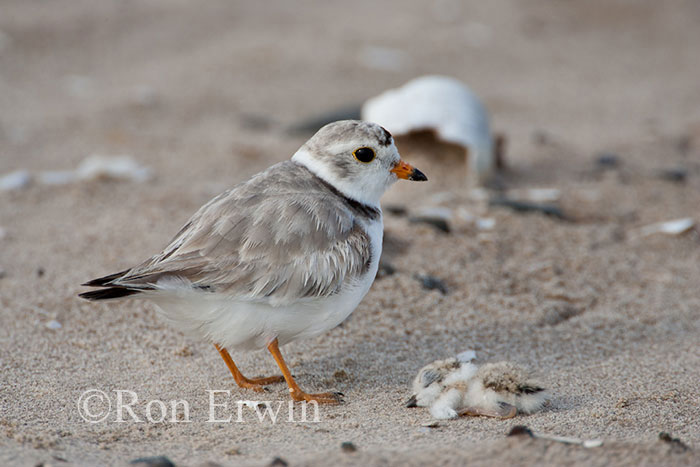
(204, 95)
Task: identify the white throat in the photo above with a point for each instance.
(367, 191)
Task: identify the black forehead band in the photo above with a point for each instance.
(386, 141)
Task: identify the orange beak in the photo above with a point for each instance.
(406, 171)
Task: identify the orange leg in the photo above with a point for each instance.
(256, 384)
(294, 390)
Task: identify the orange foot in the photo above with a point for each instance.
(320, 398)
(256, 384)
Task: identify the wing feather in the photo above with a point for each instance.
(282, 236)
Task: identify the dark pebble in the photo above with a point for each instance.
(385, 269)
(278, 462)
(520, 430)
(156, 461)
(347, 446)
(432, 283)
(608, 160)
(40, 272)
(676, 444)
(676, 175)
(437, 222)
(527, 206)
(559, 314)
(395, 210)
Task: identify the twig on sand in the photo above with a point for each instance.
(521, 430)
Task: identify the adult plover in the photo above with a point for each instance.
(286, 255)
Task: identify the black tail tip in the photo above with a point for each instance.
(108, 294)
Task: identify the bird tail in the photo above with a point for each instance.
(110, 290)
(108, 293)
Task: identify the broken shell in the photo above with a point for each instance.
(112, 167)
(53, 324)
(674, 227)
(56, 177)
(15, 180)
(444, 105)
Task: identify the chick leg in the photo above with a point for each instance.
(294, 390)
(256, 384)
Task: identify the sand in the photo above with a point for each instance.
(204, 95)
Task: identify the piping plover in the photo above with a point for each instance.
(455, 387)
(286, 255)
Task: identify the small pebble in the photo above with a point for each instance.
(432, 283)
(385, 269)
(676, 175)
(541, 195)
(592, 443)
(485, 223)
(53, 324)
(278, 462)
(526, 206)
(675, 443)
(439, 224)
(608, 160)
(15, 180)
(432, 424)
(396, 210)
(520, 430)
(40, 272)
(155, 461)
(347, 446)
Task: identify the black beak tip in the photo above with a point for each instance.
(418, 176)
(412, 402)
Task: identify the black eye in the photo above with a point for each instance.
(364, 155)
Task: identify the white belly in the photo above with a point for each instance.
(246, 325)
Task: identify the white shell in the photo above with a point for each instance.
(442, 104)
(675, 227)
(113, 167)
(53, 324)
(56, 177)
(15, 180)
